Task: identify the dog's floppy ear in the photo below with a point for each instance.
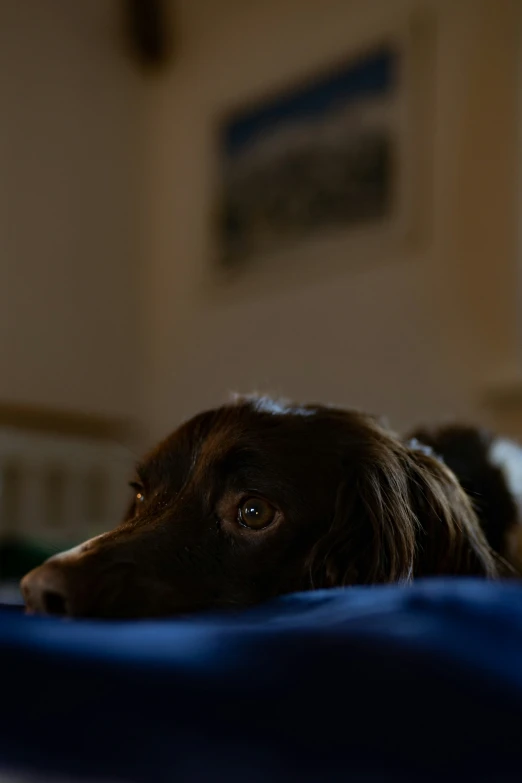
(451, 540)
(400, 514)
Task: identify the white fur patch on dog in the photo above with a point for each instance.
(507, 456)
(76, 551)
(265, 404)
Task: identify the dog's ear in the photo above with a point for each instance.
(400, 514)
(450, 538)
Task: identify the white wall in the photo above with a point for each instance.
(412, 336)
(105, 200)
(69, 185)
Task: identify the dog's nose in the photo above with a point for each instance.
(45, 590)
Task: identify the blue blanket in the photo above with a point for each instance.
(413, 683)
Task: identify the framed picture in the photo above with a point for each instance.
(332, 155)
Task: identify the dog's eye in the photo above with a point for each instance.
(256, 513)
(139, 496)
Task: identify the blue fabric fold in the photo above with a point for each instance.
(379, 683)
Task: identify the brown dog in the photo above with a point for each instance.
(259, 498)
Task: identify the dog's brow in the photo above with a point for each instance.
(141, 472)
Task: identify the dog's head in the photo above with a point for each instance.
(256, 499)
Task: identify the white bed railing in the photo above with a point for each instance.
(60, 489)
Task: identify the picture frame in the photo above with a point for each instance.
(336, 160)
